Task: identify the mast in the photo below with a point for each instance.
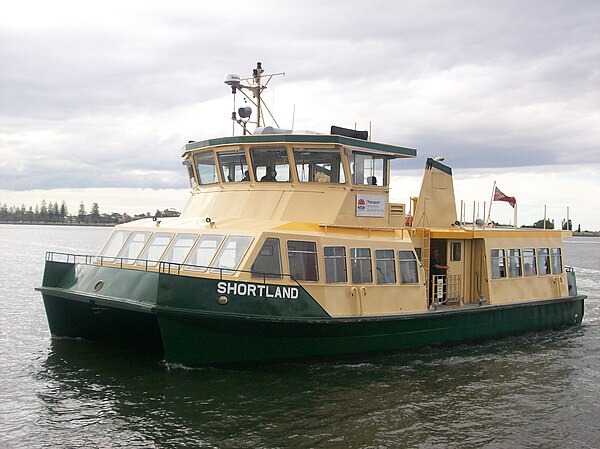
(253, 85)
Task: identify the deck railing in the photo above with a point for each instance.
(179, 269)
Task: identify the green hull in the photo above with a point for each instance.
(184, 317)
(195, 340)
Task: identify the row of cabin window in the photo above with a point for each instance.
(303, 263)
(214, 251)
(528, 262)
(194, 252)
(273, 164)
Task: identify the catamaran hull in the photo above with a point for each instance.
(197, 339)
(91, 319)
(184, 317)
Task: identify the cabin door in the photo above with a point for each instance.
(455, 278)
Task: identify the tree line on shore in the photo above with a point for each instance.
(52, 212)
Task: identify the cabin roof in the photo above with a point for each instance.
(391, 150)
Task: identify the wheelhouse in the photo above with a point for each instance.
(299, 159)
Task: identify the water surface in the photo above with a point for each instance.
(537, 390)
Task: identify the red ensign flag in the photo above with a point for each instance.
(499, 196)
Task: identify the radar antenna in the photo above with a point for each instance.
(254, 85)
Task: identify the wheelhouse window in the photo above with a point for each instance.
(134, 246)
(369, 169)
(114, 244)
(385, 266)
(360, 261)
(182, 243)
(271, 164)
(231, 253)
(529, 263)
(408, 267)
(203, 253)
(514, 263)
(233, 165)
(155, 248)
(335, 264)
(206, 167)
(191, 175)
(319, 165)
(268, 261)
(498, 264)
(556, 261)
(543, 261)
(302, 258)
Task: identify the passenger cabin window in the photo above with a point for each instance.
(556, 261)
(155, 248)
(114, 244)
(498, 264)
(335, 264)
(134, 246)
(182, 243)
(234, 167)
(385, 266)
(529, 265)
(268, 261)
(203, 253)
(514, 263)
(408, 267)
(206, 167)
(271, 164)
(360, 261)
(543, 261)
(231, 253)
(302, 257)
(368, 169)
(319, 165)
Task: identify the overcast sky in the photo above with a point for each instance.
(97, 98)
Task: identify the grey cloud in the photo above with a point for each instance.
(529, 92)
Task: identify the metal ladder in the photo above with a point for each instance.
(426, 256)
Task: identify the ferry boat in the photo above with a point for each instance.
(289, 247)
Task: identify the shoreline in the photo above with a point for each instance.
(49, 223)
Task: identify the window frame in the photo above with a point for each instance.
(530, 257)
(132, 259)
(354, 259)
(332, 260)
(173, 246)
(261, 274)
(512, 257)
(541, 257)
(112, 257)
(143, 257)
(556, 257)
(412, 262)
(239, 255)
(187, 266)
(296, 151)
(374, 156)
(227, 152)
(302, 254)
(263, 149)
(499, 270)
(383, 280)
(198, 156)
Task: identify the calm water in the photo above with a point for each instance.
(538, 390)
